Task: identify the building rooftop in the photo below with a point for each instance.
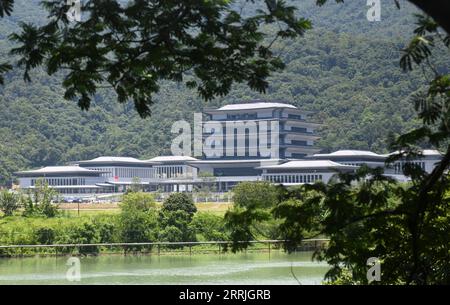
(235, 161)
(349, 153)
(60, 170)
(115, 159)
(172, 159)
(431, 152)
(109, 160)
(310, 164)
(256, 105)
(425, 152)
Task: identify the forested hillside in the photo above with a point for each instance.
(346, 70)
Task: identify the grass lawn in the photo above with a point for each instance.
(214, 207)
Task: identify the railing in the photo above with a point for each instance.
(307, 245)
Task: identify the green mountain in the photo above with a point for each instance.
(345, 70)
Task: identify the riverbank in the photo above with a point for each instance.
(155, 248)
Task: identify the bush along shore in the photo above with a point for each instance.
(140, 220)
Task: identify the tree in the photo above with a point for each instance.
(137, 220)
(251, 207)
(367, 214)
(40, 200)
(179, 202)
(175, 218)
(210, 227)
(9, 202)
(131, 47)
(175, 226)
(137, 201)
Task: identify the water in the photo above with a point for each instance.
(251, 268)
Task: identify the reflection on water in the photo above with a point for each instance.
(250, 268)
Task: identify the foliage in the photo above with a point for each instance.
(369, 215)
(209, 227)
(405, 226)
(131, 225)
(138, 201)
(133, 46)
(40, 201)
(175, 218)
(252, 203)
(179, 202)
(174, 226)
(254, 195)
(137, 221)
(45, 236)
(9, 202)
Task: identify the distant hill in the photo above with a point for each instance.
(345, 70)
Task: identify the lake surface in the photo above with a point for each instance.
(252, 268)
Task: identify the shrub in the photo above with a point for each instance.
(84, 233)
(9, 202)
(45, 236)
(209, 227)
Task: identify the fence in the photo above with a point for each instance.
(201, 197)
(158, 248)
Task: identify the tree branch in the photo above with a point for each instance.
(439, 10)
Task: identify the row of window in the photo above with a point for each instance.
(169, 171)
(83, 191)
(109, 171)
(298, 129)
(299, 142)
(61, 181)
(399, 167)
(126, 172)
(352, 163)
(293, 178)
(253, 116)
(295, 116)
(244, 116)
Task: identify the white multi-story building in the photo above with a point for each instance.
(291, 128)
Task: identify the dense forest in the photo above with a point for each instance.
(346, 70)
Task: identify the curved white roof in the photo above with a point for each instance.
(257, 105)
(172, 159)
(345, 153)
(425, 152)
(108, 160)
(115, 159)
(60, 169)
(431, 152)
(306, 164)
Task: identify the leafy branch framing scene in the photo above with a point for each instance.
(114, 82)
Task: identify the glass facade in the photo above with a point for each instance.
(61, 181)
(293, 178)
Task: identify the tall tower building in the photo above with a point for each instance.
(259, 130)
